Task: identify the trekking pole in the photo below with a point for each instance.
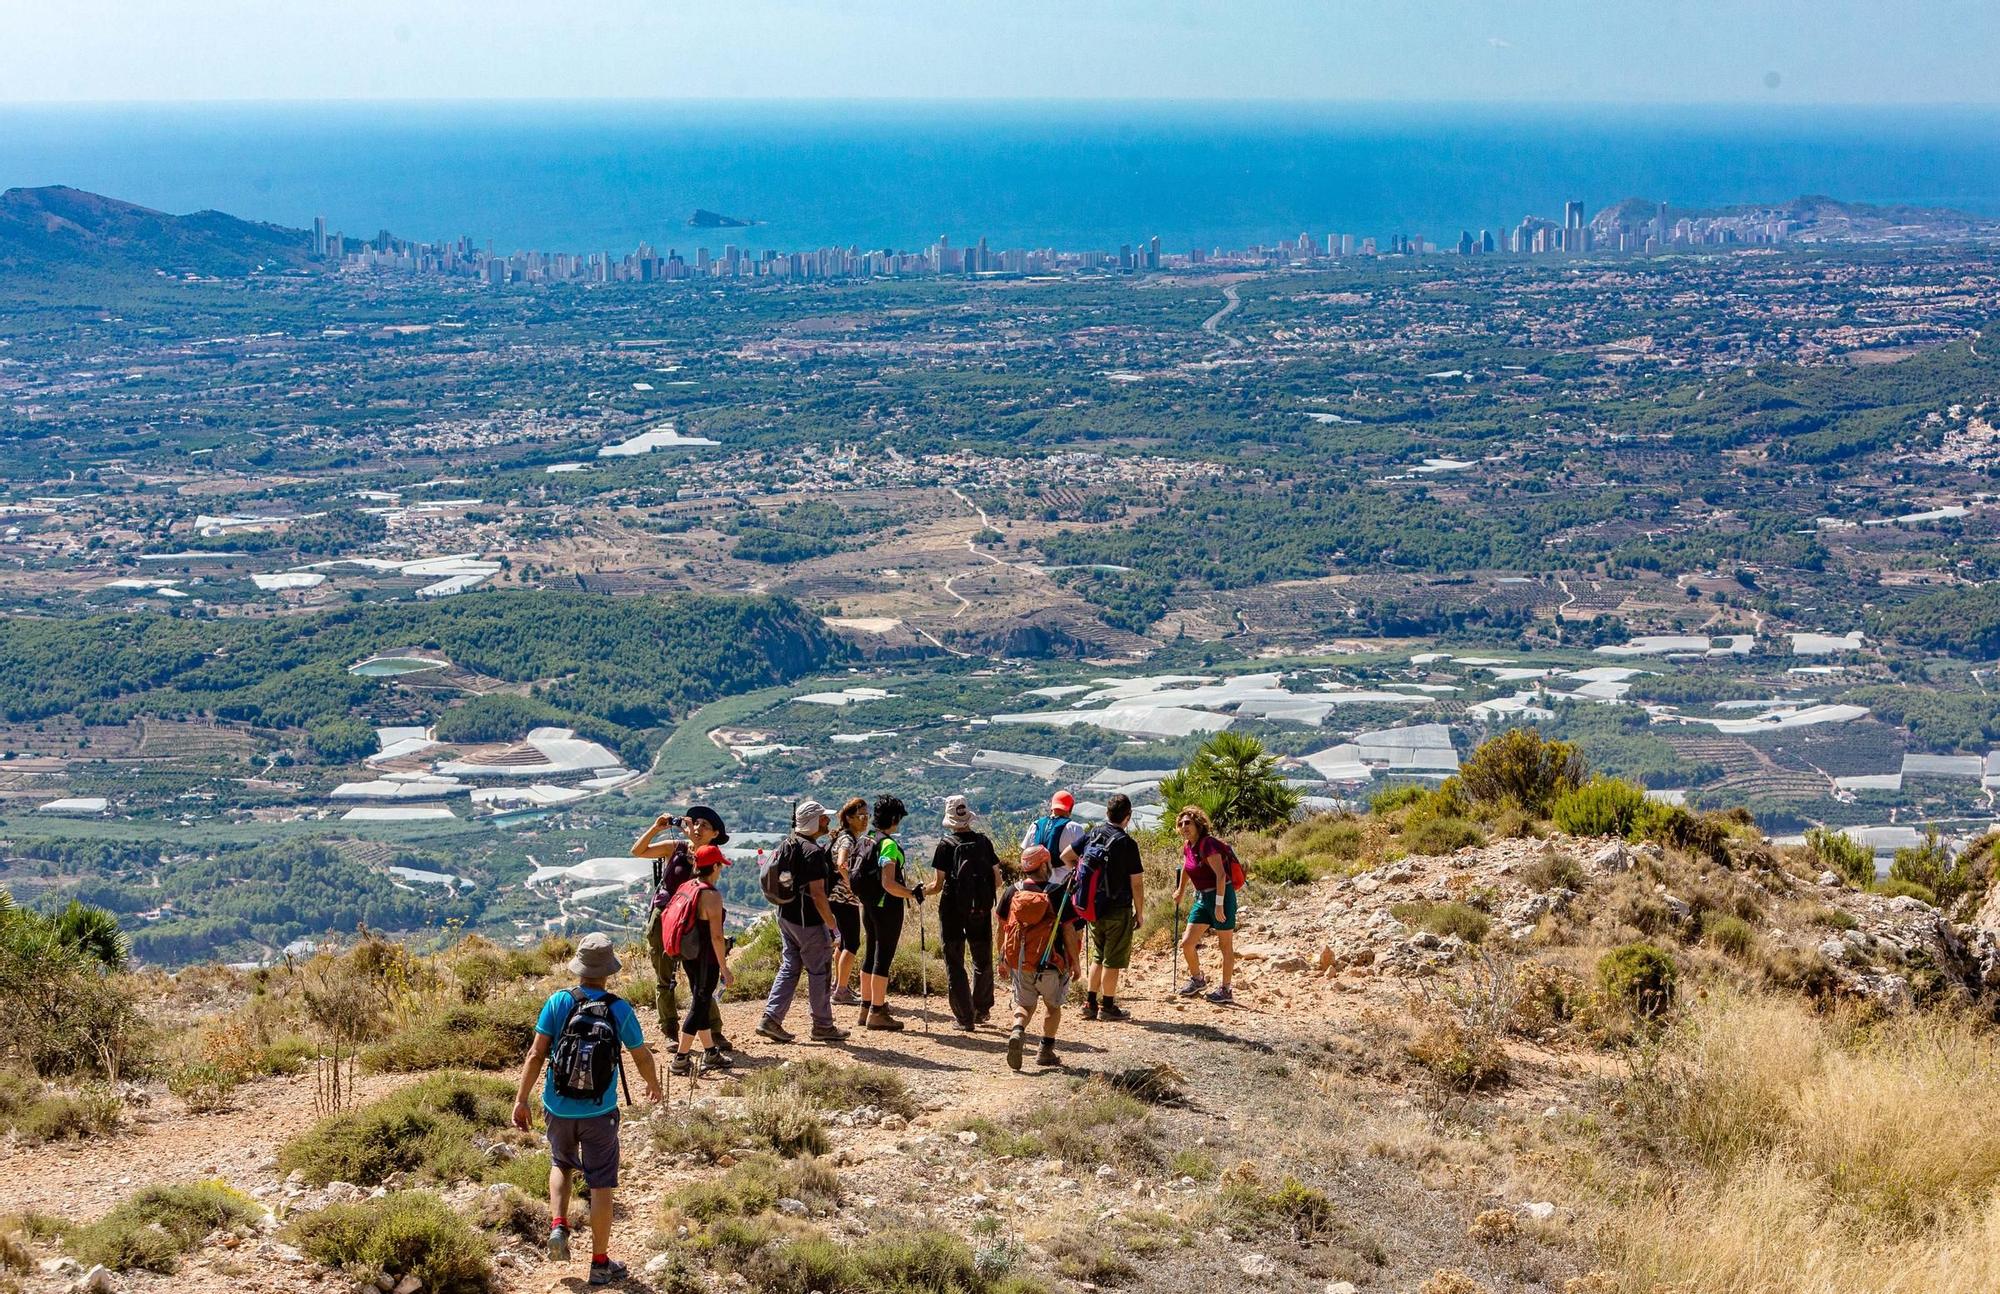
(923, 965)
(1173, 945)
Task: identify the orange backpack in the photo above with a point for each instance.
(1026, 935)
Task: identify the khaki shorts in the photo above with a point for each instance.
(1111, 939)
(1049, 987)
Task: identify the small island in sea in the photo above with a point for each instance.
(703, 218)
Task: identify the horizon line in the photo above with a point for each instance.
(1072, 101)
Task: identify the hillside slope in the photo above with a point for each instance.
(60, 228)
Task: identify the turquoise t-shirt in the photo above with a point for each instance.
(555, 1014)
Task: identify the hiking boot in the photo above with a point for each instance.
(608, 1272)
(1090, 1010)
(1016, 1041)
(775, 1032)
(1194, 985)
(828, 1033)
(879, 1018)
(984, 1017)
(1047, 1055)
(682, 1064)
(861, 1021)
(722, 1045)
(1113, 1012)
(716, 1058)
(1222, 996)
(845, 996)
(558, 1244)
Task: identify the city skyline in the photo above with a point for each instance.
(1777, 52)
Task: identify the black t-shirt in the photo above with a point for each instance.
(1123, 864)
(967, 861)
(814, 864)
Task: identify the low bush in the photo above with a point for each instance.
(834, 1086)
(478, 1035)
(408, 1233)
(701, 1133)
(776, 1256)
(1290, 1208)
(1727, 933)
(1839, 853)
(1900, 887)
(1442, 835)
(1554, 870)
(429, 1129)
(1522, 768)
(1397, 797)
(1603, 806)
(152, 1229)
(788, 1126)
(37, 1115)
(1443, 918)
(1283, 869)
(753, 1187)
(510, 1210)
(202, 1085)
(1639, 977)
(1085, 1254)
(1326, 835)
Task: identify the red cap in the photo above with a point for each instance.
(710, 856)
(1062, 802)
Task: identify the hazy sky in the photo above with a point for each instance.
(1653, 51)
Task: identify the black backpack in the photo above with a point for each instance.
(864, 869)
(778, 875)
(969, 884)
(587, 1057)
(669, 874)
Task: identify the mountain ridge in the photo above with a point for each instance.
(61, 226)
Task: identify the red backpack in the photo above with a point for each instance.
(679, 917)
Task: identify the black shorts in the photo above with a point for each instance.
(703, 975)
(885, 931)
(847, 919)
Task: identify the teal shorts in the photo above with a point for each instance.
(1205, 913)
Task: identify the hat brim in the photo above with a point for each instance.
(581, 971)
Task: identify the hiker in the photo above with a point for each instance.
(795, 879)
(673, 864)
(846, 908)
(1208, 865)
(1110, 889)
(692, 929)
(878, 881)
(1058, 833)
(1040, 941)
(968, 879)
(585, 1027)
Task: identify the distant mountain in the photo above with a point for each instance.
(1815, 213)
(60, 228)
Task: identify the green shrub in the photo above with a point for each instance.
(83, 1115)
(1604, 806)
(287, 1055)
(1639, 977)
(1443, 918)
(1445, 835)
(834, 1086)
(790, 1127)
(1521, 767)
(1284, 869)
(1096, 1123)
(700, 1133)
(476, 1035)
(1839, 853)
(1929, 866)
(1326, 835)
(1397, 797)
(752, 1187)
(1902, 887)
(427, 1128)
(203, 1086)
(1292, 1208)
(408, 1233)
(1198, 1164)
(152, 1229)
(1554, 870)
(774, 1256)
(1731, 934)
(511, 1210)
(528, 1170)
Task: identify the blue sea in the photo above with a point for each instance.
(605, 177)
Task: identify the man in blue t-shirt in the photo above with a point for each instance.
(583, 1134)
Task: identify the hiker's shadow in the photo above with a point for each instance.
(1201, 1032)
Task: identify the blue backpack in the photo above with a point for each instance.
(1090, 884)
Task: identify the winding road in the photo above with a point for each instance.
(1212, 325)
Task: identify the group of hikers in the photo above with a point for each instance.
(842, 886)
